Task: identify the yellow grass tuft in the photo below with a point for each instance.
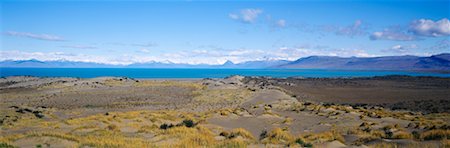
(325, 137)
(241, 132)
(288, 120)
(233, 143)
(278, 136)
(435, 135)
(402, 135)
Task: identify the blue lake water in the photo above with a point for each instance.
(199, 73)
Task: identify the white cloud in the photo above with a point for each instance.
(246, 15)
(144, 50)
(430, 28)
(356, 29)
(47, 37)
(401, 49)
(388, 34)
(52, 56)
(57, 56)
(144, 44)
(79, 47)
(281, 23)
(191, 57)
(417, 28)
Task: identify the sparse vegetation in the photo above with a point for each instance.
(240, 132)
(435, 135)
(277, 136)
(315, 123)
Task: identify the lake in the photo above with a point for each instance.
(199, 73)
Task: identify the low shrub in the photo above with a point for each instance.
(302, 142)
(187, 123)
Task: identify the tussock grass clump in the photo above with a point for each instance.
(233, 134)
(233, 143)
(196, 141)
(325, 137)
(384, 145)
(402, 135)
(288, 120)
(435, 135)
(297, 107)
(396, 132)
(409, 145)
(365, 139)
(189, 137)
(378, 133)
(225, 112)
(113, 127)
(366, 135)
(277, 136)
(270, 113)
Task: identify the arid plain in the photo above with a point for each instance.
(391, 111)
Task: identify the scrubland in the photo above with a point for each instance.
(230, 112)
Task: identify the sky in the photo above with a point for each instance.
(212, 32)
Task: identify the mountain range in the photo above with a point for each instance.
(434, 62)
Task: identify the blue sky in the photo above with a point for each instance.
(120, 32)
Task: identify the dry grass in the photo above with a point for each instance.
(222, 95)
(241, 132)
(106, 130)
(402, 135)
(277, 136)
(198, 136)
(114, 140)
(150, 83)
(435, 135)
(324, 137)
(225, 112)
(411, 145)
(288, 120)
(233, 143)
(113, 82)
(365, 139)
(148, 129)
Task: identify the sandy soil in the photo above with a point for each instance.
(275, 112)
(427, 94)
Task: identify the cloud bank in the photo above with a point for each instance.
(430, 28)
(47, 37)
(416, 29)
(392, 35)
(356, 29)
(188, 57)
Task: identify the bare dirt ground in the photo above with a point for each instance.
(231, 112)
(426, 94)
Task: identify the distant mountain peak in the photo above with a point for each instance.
(228, 62)
(407, 62)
